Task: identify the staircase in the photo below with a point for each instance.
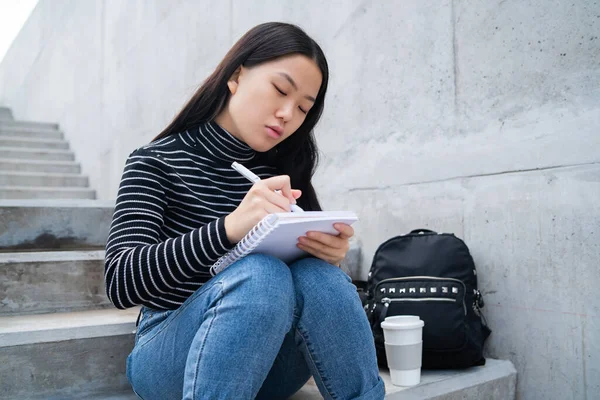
(60, 338)
(36, 163)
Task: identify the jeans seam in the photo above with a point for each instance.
(318, 369)
(203, 343)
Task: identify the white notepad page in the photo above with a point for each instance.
(277, 235)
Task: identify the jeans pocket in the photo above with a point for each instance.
(149, 319)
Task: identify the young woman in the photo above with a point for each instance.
(260, 328)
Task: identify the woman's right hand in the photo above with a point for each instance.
(260, 200)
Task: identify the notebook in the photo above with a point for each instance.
(277, 235)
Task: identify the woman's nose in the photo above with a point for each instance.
(286, 111)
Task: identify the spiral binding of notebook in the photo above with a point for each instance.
(247, 244)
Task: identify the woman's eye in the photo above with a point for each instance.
(285, 94)
(279, 90)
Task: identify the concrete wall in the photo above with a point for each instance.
(475, 117)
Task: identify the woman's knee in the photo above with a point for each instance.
(313, 277)
(266, 272)
(263, 283)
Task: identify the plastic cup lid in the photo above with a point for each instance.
(402, 322)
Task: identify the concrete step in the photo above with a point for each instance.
(59, 167)
(47, 282)
(57, 354)
(8, 178)
(496, 380)
(33, 143)
(30, 133)
(23, 192)
(54, 224)
(38, 126)
(37, 154)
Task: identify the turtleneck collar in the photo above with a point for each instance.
(221, 144)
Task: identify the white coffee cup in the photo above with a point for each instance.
(403, 335)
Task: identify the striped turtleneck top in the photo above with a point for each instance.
(168, 225)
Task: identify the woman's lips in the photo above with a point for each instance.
(273, 133)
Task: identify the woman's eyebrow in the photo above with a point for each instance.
(289, 78)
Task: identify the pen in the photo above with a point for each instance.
(253, 178)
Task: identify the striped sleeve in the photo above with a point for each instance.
(139, 268)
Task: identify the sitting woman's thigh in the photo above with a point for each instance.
(157, 363)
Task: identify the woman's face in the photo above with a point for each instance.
(270, 101)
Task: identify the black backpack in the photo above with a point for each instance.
(433, 276)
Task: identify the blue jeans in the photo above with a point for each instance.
(259, 329)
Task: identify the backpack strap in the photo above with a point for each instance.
(360, 285)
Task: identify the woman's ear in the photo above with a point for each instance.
(234, 81)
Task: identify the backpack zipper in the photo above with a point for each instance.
(386, 300)
(433, 278)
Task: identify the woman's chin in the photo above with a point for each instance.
(262, 147)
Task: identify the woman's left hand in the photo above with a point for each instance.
(328, 247)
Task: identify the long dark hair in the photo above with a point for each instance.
(297, 156)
